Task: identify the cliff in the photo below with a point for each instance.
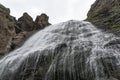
(105, 14)
(14, 32)
(7, 29)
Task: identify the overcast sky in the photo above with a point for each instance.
(57, 10)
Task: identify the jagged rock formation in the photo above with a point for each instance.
(13, 33)
(26, 27)
(25, 23)
(106, 14)
(7, 29)
(41, 21)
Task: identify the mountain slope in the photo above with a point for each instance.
(105, 14)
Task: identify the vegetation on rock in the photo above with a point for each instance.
(105, 14)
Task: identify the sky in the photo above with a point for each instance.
(57, 10)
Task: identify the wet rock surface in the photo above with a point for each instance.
(64, 52)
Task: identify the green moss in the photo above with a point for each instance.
(105, 15)
(116, 27)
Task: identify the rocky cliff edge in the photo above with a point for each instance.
(14, 32)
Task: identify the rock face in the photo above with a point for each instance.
(106, 14)
(26, 27)
(71, 50)
(25, 23)
(13, 33)
(4, 9)
(18, 39)
(41, 21)
(7, 29)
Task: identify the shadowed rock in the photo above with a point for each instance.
(41, 21)
(25, 23)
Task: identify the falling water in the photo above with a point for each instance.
(73, 50)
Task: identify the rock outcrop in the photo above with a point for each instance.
(26, 27)
(41, 21)
(25, 23)
(18, 40)
(14, 32)
(7, 29)
(105, 14)
(4, 9)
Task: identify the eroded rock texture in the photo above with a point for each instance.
(41, 21)
(25, 23)
(26, 27)
(14, 32)
(7, 29)
(105, 14)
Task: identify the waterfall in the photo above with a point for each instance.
(72, 50)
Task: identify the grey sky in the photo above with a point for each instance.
(57, 10)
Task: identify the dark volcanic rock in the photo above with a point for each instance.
(41, 21)
(7, 29)
(25, 23)
(106, 14)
